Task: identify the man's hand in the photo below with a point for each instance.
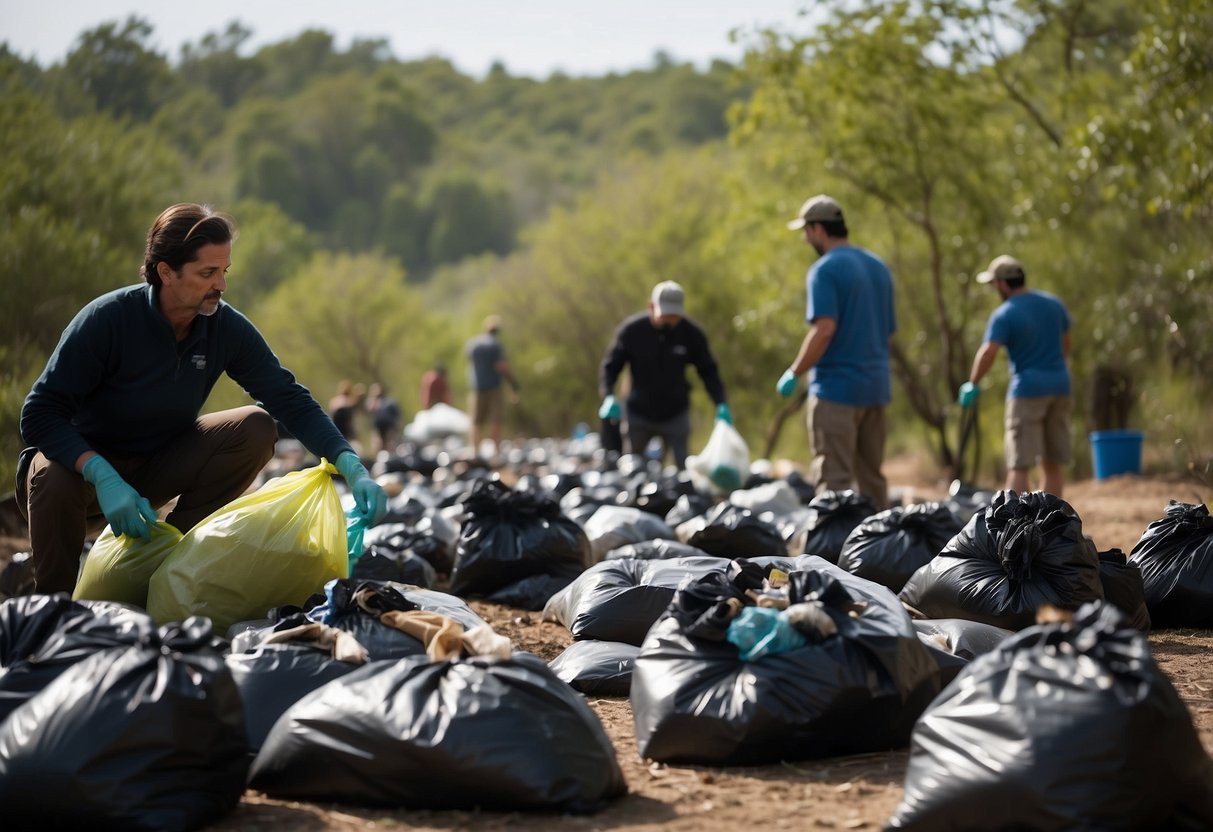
(609, 410)
(786, 385)
(723, 414)
(369, 496)
(967, 397)
(127, 511)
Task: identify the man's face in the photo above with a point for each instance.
(662, 321)
(1004, 291)
(200, 284)
(815, 237)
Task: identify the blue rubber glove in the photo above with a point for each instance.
(786, 385)
(609, 410)
(369, 496)
(967, 397)
(723, 414)
(128, 513)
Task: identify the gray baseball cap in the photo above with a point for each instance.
(1002, 267)
(668, 298)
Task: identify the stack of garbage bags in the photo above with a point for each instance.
(1175, 556)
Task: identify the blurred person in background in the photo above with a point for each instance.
(487, 370)
(657, 346)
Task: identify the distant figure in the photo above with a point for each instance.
(487, 368)
(846, 353)
(658, 345)
(343, 408)
(434, 387)
(1035, 328)
(385, 418)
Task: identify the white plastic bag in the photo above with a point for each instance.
(722, 463)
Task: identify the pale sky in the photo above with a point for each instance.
(531, 37)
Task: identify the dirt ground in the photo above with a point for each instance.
(858, 792)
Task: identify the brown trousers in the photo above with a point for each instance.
(848, 448)
(205, 468)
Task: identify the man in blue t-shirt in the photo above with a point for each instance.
(850, 308)
(1035, 329)
(487, 368)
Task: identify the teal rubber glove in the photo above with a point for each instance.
(369, 496)
(127, 511)
(967, 397)
(609, 410)
(723, 414)
(786, 385)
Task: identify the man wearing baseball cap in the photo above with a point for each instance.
(1035, 328)
(846, 353)
(658, 345)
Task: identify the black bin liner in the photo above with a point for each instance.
(275, 676)
(729, 531)
(1175, 556)
(431, 537)
(143, 737)
(890, 546)
(655, 550)
(460, 734)
(954, 642)
(835, 514)
(41, 636)
(596, 668)
(613, 526)
(508, 536)
(1021, 552)
(1124, 587)
(1061, 727)
(383, 563)
(859, 690)
(618, 600)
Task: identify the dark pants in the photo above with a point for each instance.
(205, 469)
(674, 434)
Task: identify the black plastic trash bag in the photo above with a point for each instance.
(275, 676)
(596, 668)
(859, 689)
(618, 600)
(1020, 553)
(1061, 727)
(404, 566)
(613, 526)
(529, 593)
(431, 537)
(465, 734)
(1124, 588)
(890, 546)
(655, 550)
(580, 503)
(1175, 555)
(686, 507)
(144, 737)
(835, 514)
(507, 536)
(41, 636)
(729, 531)
(355, 607)
(954, 642)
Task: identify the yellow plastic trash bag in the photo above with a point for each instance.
(119, 568)
(275, 546)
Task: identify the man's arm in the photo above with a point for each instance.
(612, 365)
(814, 345)
(503, 367)
(983, 360)
(1065, 345)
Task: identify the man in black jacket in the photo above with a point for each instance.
(658, 345)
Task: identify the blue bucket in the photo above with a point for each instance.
(1116, 452)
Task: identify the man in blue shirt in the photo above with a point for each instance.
(487, 368)
(112, 423)
(1035, 329)
(850, 308)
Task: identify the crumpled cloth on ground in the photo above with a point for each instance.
(444, 637)
(341, 645)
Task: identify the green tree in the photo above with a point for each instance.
(115, 69)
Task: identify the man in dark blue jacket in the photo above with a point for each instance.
(112, 423)
(658, 345)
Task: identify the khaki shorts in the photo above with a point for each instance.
(1038, 430)
(487, 406)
